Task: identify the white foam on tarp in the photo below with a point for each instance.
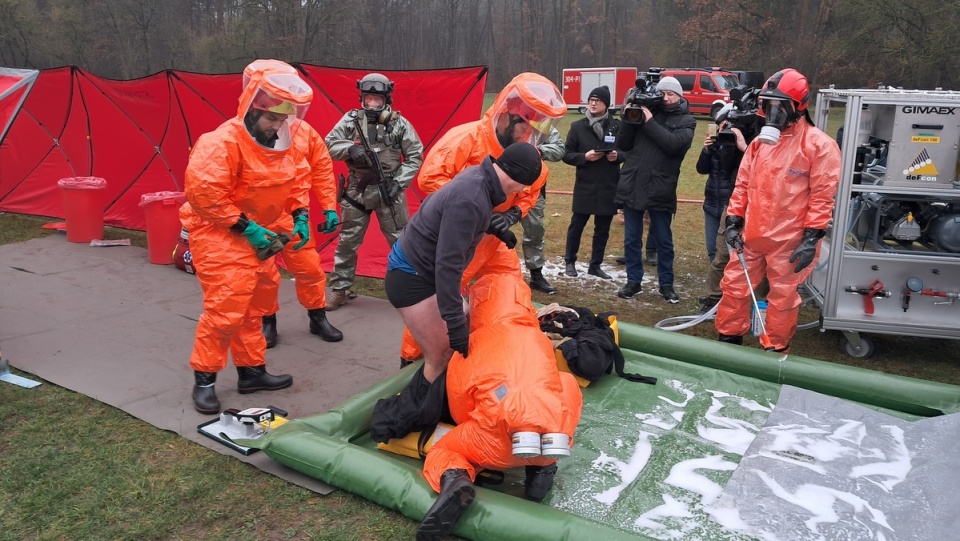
(683, 475)
(821, 503)
(671, 507)
(628, 471)
(827, 469)
(731, 434)
(891, 472)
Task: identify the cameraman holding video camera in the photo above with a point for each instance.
(655, 134)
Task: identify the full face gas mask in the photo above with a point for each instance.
(779, 114)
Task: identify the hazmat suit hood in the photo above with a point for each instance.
(270, 106)
(529, 99)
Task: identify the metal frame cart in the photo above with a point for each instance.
(891, 263)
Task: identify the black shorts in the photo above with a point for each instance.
(405, 289)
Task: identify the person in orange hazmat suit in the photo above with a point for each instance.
(509, 385)
(526, 110)
(780, 208)
(241, 181)
(301, 258)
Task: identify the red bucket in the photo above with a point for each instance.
(162, 214)
(83, 207)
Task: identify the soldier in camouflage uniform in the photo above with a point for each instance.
(551, 150)
(398, 148)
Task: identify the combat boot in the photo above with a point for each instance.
(337, 298)
(256, 378)
(538, 282)
(321, 327)
(539, 481)
(456, 494)
(270, 330)
(204, 397)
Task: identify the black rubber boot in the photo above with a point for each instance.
(539, 481)
(538, 282)
(270, 330)
(738, 340)
(321, 327)
(456, 494)
(571, 270)
(204, 397)
(256, 378)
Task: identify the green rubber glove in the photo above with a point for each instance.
(332, 221)
(301, 226)
(257, 236)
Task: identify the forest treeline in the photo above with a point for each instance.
(849, 43)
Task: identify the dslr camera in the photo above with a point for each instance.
(644, 94)
(745, 115)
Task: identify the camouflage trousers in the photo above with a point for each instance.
(353, 228)
(533, 232)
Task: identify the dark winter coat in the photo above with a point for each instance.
(596, 182)
(648, 179)
(720, 164)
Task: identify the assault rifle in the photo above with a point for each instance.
(381, 179)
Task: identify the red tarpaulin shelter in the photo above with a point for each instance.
(137, 134)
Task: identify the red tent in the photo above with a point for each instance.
(137, 134)
(15, 84)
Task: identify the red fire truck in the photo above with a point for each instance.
(578, 82)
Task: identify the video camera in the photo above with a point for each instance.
(644, 94)
(745, 115)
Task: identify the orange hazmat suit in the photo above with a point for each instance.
(510, 383)
(230, 174)
(781, 190)
(468, 144)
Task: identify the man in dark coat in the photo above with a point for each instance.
(591, 149)
(655, 147)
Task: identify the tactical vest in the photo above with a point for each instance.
(385, 140)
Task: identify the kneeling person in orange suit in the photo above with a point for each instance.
(510, 385)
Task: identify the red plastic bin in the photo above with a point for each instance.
(162, 214)
(83, 207)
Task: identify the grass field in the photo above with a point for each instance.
(73, 468)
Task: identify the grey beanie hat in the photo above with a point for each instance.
(670, 83)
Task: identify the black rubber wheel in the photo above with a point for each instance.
(865, 351)
(582, 110)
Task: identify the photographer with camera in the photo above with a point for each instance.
(655, 134)
(737, 125)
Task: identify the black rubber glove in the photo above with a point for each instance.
(508, 238)
(498, 224)
(513, 215)
(733, 232)
(500, 228)
(359, 156)
(459, 339)
(805, 253)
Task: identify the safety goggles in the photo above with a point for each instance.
(374, 87)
